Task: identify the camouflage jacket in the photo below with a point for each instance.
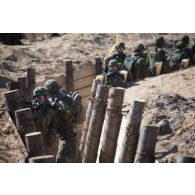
(64, 112)
(155, 55)
(44, 118)
(120, 57)
(113, 79)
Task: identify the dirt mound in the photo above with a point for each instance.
(178, 135)
(11, 148)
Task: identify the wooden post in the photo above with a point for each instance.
(24, 122)
(23, 88)
(88, 116)
(112, 124)
(146, 144)
(13, 101)
(12, 85)
(96, 124)
(42, 159)
(98, 65)
(69, 83)
(34, 144)
(131, 135)
(185, 159)
(31, 81)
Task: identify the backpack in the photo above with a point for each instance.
(175, 59)
(79, 114)
(131, 63)
(69, 102)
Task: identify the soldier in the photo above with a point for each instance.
(193, 52)
(186, 42)
(178, 53)
(113, 76)
(157, 54)
(43, 115)
(118, 55)
(136, 64)
(64, 125)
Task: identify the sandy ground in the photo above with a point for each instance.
(48, 57)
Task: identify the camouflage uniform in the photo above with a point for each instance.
(118, 55)
(113, 78)
(157, 54)
(136, 64)
(177, 54)
(43, 116)
(64, 126)
(186, 41)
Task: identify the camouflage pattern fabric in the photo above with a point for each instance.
(154, 55)
(64, 126)
(44, 118)
(120, 57)
(113, 79)
(66, 151)
(136, 67)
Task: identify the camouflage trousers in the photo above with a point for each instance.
(66, 151)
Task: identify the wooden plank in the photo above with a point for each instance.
(90, 70)
(85, 91)
(84, 82)
(60, 79)
(40, 83)
(85, 100)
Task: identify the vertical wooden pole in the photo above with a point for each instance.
(112, 125)
(23, 88)
(131, 135)
(98, 65)
(88, 117)
(31, 81)
(96, 124)
(13, 101)
(12, 85)
(146, 145)
(34, 144)
(24, 122)
(69, 83)
(42, 159)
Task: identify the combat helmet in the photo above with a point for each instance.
(52, 86)
(120, 45)
(160, 42)
(179, 45)
(186, 40)
(139, 48)
(113, 63)
(39, 91)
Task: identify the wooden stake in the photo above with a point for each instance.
(112, 125)
(131, 135)
(23, 88)
(24, 122)
(31, 81)
(88, 116)
(42, 159)
(96, 124)
(69, 83)
(34, 144)
(98, 65)
(146, 145)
